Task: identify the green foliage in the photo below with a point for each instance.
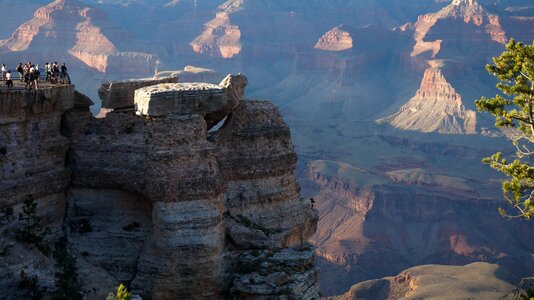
(66, 279)
(528, 295)
(31, 285)
(31, 231)
(122, 294)
(514, 109)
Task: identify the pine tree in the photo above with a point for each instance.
(514, 69)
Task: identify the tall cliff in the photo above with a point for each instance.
(150, 197)
(475, 20)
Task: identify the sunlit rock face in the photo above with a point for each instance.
(69, 26)
(429, 28)
(434, 281)
(219, 39)
(436, 107)
(335, 40)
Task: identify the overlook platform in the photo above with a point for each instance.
(21, 86)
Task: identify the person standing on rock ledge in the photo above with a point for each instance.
(9, 81)
(64, 76)
(4, 70)
(20, 70)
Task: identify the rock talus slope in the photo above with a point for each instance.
(436, 107)
(473, 281)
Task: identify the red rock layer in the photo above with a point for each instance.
(335, 40)
(436, 107)
(466, 11)
(219, 39)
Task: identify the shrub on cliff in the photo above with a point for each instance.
(514, 109)
(122, 294)
(32, 231)
(67, 286)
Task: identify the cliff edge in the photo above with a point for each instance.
(151, 197)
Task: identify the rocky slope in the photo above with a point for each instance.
(436, 107)
(155, 200)
(66, 27)
(473, 281)
(219, 39)
(367, 231)
(430, 27)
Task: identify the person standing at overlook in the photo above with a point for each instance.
(48, 72)
(20, 69)
(55, 72)
(9, 81)
(4, 70)
(64, 74)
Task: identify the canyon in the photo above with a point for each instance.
(379, 96)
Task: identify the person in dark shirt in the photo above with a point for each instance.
(55, 72)
(20, 69)
(64, 74)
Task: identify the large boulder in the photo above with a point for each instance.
(120, 94)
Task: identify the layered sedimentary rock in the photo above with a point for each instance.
(373, 230)
(464, 11)
(476, 280)
(336, 39)
(121, 94)
(70, 27)
(159, 201)
(32, 164)
(193, 74)
(436, 107)
(220, 38)
(153, 198)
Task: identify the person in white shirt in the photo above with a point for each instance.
(4, 72)
(9, 81)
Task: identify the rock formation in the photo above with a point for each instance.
(193, 74)
(153, 198)
(32, 162)
(70, 27)
(436, 107)
(336, 39)
(117, 95)
(370, 228)
(219, 39)
(465, 11)
(473, 281)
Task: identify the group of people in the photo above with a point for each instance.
(30, 74)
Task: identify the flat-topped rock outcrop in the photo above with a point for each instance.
(336, 39)
(180, 99)
(120, 94)
(174, 210)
